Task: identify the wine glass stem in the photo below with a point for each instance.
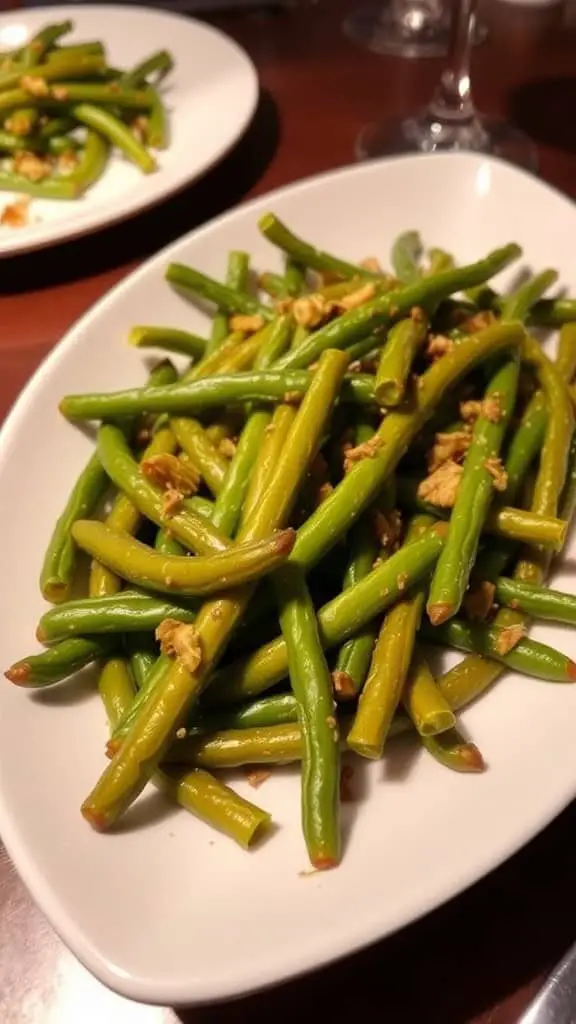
(453, 99)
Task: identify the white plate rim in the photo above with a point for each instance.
(197, 993)
(91, 221)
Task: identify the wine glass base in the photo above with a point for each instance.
(380, 30)
(415, 135)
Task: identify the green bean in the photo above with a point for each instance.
(553, 312)
(525, 444)
(59, 662)
(167, 574)
(42, 41)
(116, 689)
(65, 65)
(216, 804)
(388, 671)
(157, 128)
(230, 500)
(188, 525)
(355, 654)
(294, 277)
(59, 563)
(232, 748)
(454, 751)
(273, 284)
(423, 700)
(104, 122)
(567, 504)
(123, 514)
(302, 252)
(439, 261)
(55, 126)
(517, 305)
(12, 142)
(212, 466)
(339, 619)
(126, 612)
(196, 791)
(529, 657)
(90, 166)
(507, 522)
(535, 601)
(311, 683)
(142, 658)
(151, 683)
(475, 493)
(64, 93)
(159, 63)
(404, 341)
(406, 255)
(566, 354)
(363, 483)
(554, 455)
(237, 278)
(189, 280)
(358, 323)
(153, 729)
(165, 543)
(168, 338)
(279, 709)
(194, 396)
(272, 446)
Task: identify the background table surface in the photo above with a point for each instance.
(480, 958)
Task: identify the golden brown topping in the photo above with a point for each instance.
(438, 346)
(171, 501)
(471, 410)
(441, 487)
(479, 321)
(171, 473)
(402, 580)
(227, 448)
(180, 640)
(448, 446)
(60, 92)
(355, 367)
(366, 450)
(497, 472)
(16, 214)
(34, 85)
(30, 166)
(67, 161)
(292, 397)
(283, 305)
(312, 310)
(248, 324)
(139, 127)
(324, 492)
(508, 637)
(479, 600)
(18, 123)
(357, 298)
(372, 264)
(388, 528)
(343, 684)
(417, 314)
(256, 776)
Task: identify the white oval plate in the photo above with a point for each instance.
(165, 910)
(210, 95)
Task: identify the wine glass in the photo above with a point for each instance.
(405, 28)
(450, 122)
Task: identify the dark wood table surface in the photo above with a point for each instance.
(481, 958)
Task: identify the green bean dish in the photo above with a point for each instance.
(354, 467)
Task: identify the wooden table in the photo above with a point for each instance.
(480, 958)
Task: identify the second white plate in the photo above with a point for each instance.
(211, 95)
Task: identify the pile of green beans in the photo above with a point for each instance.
(63, 109)
(278, 529)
